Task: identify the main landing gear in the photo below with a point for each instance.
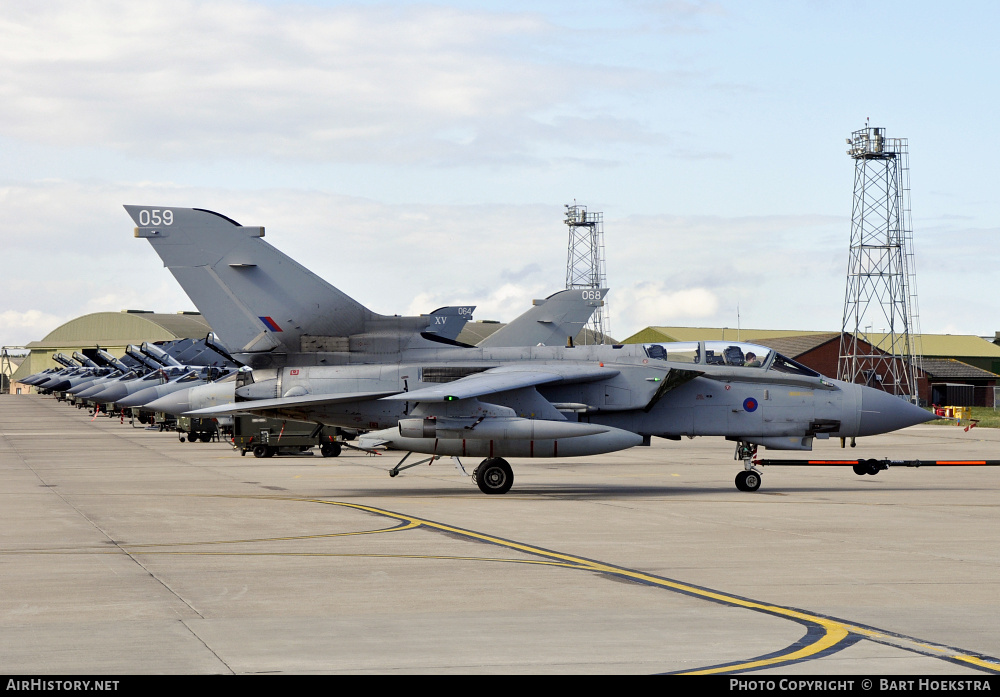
(749, 478)
(494, 476)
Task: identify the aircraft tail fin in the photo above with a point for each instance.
(255, 298)
(550, 321)
(447, 322)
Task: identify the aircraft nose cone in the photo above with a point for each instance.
(81, 386)
(111, 393)
(175, 403)
(52, 379)
(91, 391)
(140, 398)
(882, 412)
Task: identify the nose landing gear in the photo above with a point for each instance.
(749, 478)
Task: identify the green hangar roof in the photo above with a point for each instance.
(113, 329)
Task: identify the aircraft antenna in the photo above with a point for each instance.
(585, 265)
(881, 273)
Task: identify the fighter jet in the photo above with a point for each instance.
(320, 356)
(186, 379)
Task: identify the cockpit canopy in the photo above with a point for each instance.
(728, 353)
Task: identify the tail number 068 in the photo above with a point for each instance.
(591, 295)
(156, 217)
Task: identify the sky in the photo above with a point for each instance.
(420, 154)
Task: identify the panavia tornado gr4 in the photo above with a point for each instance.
(318, 355)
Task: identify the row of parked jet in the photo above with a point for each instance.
(309, 352)
(176, 377)
(145, 373)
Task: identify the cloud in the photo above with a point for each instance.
(654, 303)
(17, 328)
(71, 251)
(502, 303)
(74, 251)
(179, 78)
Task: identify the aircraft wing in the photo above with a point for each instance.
(286, 403)
(503, 379)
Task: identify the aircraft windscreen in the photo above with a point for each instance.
(679, 352)
(787, 365)
(736, 354)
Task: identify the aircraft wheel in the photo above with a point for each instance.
(748, 480)
(494, 476)
(330, 449)
(260, 451)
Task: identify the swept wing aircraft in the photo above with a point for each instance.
(320, 356)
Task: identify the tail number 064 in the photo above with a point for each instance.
(591, 295)
(156, 217)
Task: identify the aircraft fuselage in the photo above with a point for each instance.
(755, 404)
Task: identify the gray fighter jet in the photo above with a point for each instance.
(320, 356)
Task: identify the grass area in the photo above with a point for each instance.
(987, 417)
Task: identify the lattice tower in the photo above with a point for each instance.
(880, 333)
(585, 263)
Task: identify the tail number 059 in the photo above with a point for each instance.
(156, 217)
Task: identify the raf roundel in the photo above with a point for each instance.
(750, 404)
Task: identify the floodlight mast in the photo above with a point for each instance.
(881, 274)
(6, 368)
(585, 265)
